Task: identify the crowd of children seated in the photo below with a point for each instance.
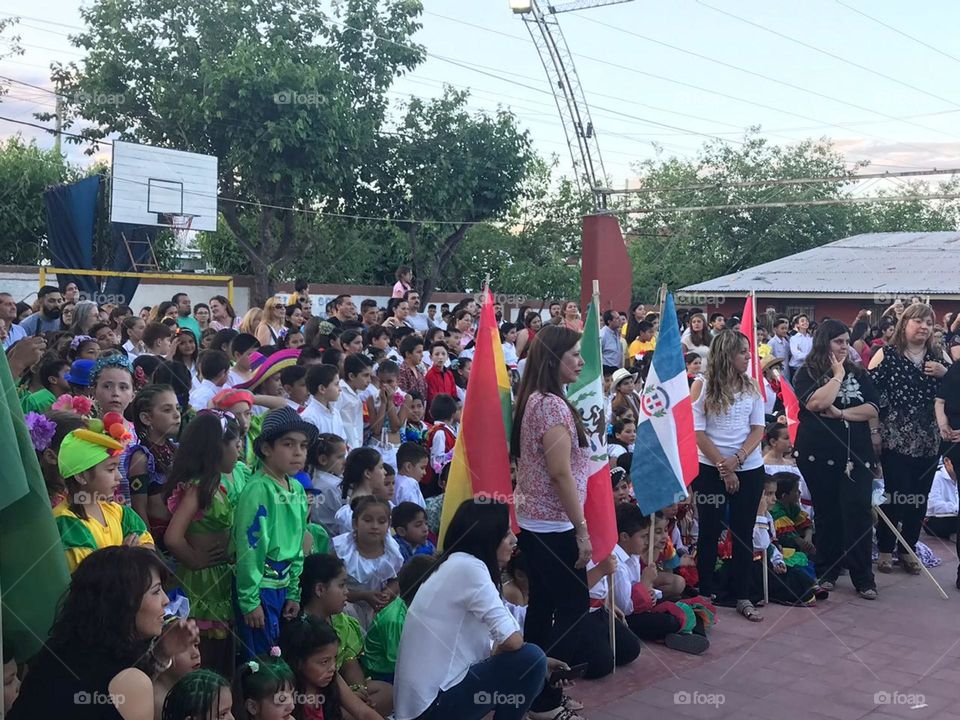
(295, 490)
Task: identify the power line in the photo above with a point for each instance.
(789, 204)
(898, 31)
(839, 58)
(789, 181)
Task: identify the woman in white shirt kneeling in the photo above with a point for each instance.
(462, 654)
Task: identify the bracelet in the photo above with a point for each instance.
(583, 540)
(839, 381)
(874, 431)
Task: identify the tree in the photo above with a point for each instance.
(443, 170)
(681, 248)
(25, 172)
(534, 252)
(12, 48)
(287, 97)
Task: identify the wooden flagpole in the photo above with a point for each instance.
(766, 579)
(913, 555)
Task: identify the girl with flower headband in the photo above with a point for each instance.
(83, 347)
(112, 383)
(89, 519)
(201, 493)
(264, 689)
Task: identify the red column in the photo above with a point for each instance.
(605, 259)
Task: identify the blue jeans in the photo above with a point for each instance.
(505, 684)
(259, 641)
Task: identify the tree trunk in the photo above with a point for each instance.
(444, 255)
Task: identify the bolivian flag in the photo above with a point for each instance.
(481, 457)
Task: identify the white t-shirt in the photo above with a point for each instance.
(326, 419)
(625, 577)
(350, 407)
(800, 347)
(202, 394)
(454, 622)
(406, 489)
(729, 430)
(419, 322)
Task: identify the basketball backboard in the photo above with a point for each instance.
(157, 186)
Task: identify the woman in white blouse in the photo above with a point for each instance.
(728, 419)
(462, 654)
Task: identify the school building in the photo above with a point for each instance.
(837, 280)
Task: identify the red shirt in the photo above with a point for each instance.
(439, 380)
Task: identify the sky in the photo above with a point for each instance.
(660, 77)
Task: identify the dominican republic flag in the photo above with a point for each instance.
(665, 454)
(748, 326)
(586, 395)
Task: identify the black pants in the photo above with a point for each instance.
(907, 481)
(713, 503)
(653, 626)
(844, 521)
(943, 527)
(559, 601)
(595, 647)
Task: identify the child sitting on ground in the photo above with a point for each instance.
(680, 626)
(779, 457)
(409, 522)
(383, 637)
(793, 526)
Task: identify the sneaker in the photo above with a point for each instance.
(868, 594)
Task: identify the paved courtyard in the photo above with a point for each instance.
(846, 659)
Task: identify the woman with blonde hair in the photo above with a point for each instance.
(271, 327)
(728, 419)
(907, 373)
(251, 321)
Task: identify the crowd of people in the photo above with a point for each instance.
(249, 505)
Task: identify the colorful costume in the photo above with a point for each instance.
(790, 522)
(365, 573)
(268, 529)
(81, 537)
(383, 641)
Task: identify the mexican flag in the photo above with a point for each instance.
(586, 395)
(33, 568)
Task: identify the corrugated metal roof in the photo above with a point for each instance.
(900, 263)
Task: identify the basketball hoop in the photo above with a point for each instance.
(180, 225)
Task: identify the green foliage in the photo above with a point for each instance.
(451, 166)
(11, 45)
(681, 248)
(25, 172)
(287, 97)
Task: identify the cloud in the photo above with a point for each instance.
(893, 155)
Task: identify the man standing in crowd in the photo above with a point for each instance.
(432, 313)
(555, 309)
(48, 319)
(369, 313)
(717, 323)
(9, 331)
(415, 319)
(610, 347)
(344, 310)
(780, 342)
(184, 317)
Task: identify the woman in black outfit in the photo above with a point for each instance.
(907, 372)
(107, 644)
(836, 456)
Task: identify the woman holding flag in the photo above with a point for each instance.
(550, 443)
(836, 457)
(728, 419)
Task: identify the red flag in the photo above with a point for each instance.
(791, 406)
(748, 326)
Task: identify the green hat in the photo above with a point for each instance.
(83, 449)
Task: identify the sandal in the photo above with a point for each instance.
(570, 703)
(827, 585)
(868, 594)
(746, 608)
(561, 714)
(885, 563)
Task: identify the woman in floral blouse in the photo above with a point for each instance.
(835, 454)
(907, 373)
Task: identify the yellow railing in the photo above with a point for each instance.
(228, 279)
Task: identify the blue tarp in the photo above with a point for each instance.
(71, 214)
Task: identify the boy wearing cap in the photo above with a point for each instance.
(268, 532)
(89, 519)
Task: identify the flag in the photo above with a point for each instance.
(481, 455)
(586, 395)
(665, 454)
(791, 408)
(33, 568)
(748, 326)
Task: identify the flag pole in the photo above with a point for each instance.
(766, 579)
(910, 552)
(653, 517)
